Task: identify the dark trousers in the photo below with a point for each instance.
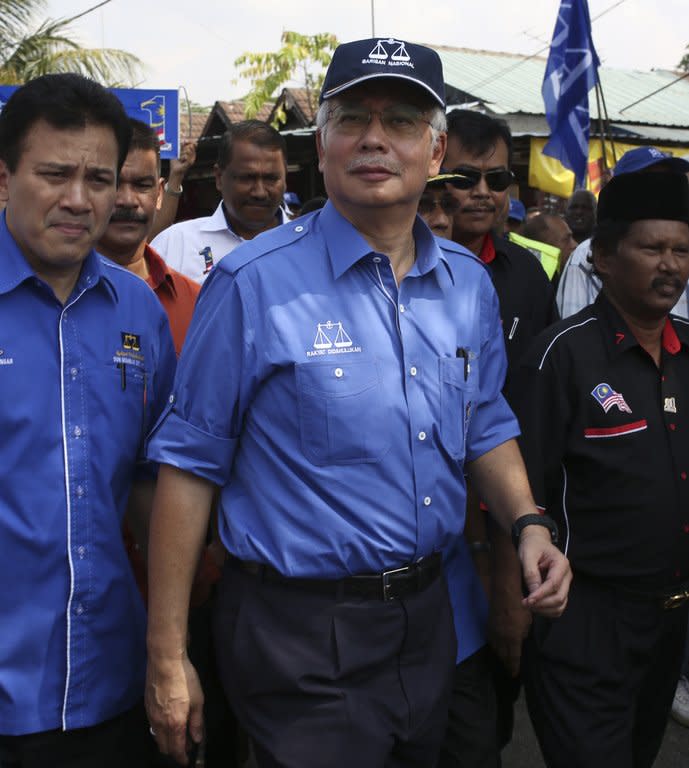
(317, 681)
(471, 738)
(123, 742)
(600, 680)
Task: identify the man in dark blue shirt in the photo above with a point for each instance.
(341, 374)
(86, 362)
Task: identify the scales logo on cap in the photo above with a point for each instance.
(395, 54)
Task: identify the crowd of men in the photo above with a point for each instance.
(322, 490)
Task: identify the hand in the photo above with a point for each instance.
(174, 704)
(187, 157)
(546, 571)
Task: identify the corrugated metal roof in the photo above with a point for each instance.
(509, 83)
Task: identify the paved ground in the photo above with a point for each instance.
(523, 752)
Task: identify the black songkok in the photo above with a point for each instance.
(636, 196)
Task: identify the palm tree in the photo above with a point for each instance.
(29, 48)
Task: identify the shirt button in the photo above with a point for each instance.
(673, 427)
(64, 315)
(683, 475)
(79, 609)
(422, 435)
(427, 501)
(81, 551)
(73, 372)
(339, 373)
(299, 228)
(377, 259)
(413, 370)
(171, 399)
(80, 490)
(77, 431)
(402, 308)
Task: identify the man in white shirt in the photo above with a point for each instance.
(250, 175)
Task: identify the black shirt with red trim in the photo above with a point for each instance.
(605, 438)
(527, 299)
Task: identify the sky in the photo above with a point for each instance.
(195, 44)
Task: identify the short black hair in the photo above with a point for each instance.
(608, 234)
(63, 101)
(478, 132)
(253, 131)
(144, 138)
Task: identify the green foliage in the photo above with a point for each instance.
(684, 63)
(303, 58)
(30, 48)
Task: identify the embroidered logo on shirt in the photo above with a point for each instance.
(606, 397)
(670, 406)
(5, 359)
(130, 351)
(207, 259)
(131, 341)
(331, 339)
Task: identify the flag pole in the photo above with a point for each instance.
(607, 118)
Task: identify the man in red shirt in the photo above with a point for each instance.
(139, 192)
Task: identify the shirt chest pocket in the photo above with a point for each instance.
(341, 412)
(458, 386)
(124, 406)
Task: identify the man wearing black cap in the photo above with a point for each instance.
(579, 284)
(602, 405)
(339, 378)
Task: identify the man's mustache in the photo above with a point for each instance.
(125, 214)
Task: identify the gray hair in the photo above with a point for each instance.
(436, 118)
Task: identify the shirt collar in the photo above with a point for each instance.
(217, 222)
(15, 269)
(346, 245)
(159, 271)
(618, 338)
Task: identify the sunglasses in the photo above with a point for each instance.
(447, 205)
(498, 180)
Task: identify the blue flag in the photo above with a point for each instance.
(570, 74)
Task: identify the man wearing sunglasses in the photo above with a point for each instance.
(340, 376)
(478, 156)
(437, 206)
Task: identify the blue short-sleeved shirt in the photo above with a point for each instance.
(335, 409)
(79, 386)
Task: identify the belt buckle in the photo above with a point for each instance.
(675, 601)
(385, 577)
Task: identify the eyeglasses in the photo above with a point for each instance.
(447, 205)
(400, 121)
(498, 180)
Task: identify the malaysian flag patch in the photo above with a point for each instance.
(606, 397)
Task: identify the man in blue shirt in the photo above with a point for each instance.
(340, 375)
(86, 362)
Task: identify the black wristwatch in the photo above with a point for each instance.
(521, 523)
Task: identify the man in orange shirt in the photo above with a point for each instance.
(139, 194)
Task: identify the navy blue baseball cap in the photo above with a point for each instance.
(362, 60)
(642, 157)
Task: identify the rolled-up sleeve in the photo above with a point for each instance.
(199, 430)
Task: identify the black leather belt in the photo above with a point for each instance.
(388, 585)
